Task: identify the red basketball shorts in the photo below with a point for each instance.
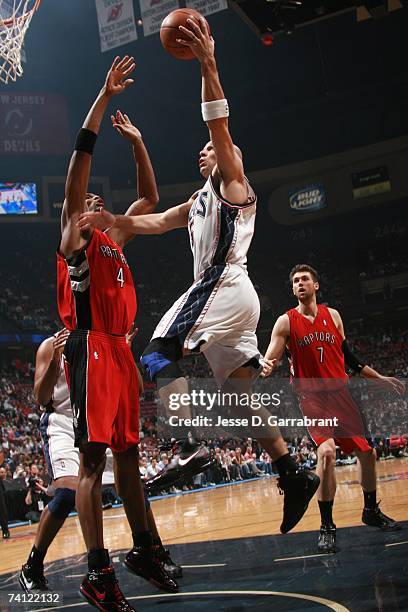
(104, 389)
(333, 404)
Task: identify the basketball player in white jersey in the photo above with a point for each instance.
(219, 313)
(62, 458)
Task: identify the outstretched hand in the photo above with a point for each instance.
(393, 384)
(125, 127)
(268, 366)
(131, 334)
(101, 220)
(116, 79)
(59, 343)
(199, 39)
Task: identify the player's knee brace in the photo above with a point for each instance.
(160, 359)
(62, 503)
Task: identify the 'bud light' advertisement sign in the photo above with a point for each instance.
(308, 199)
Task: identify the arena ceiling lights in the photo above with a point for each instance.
(272, 17)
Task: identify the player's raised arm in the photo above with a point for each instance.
(355, 363)
(215, 112)
(148, 196)
(157, 223)
(279, 337)
(80, 165)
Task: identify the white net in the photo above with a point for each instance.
(15, 18)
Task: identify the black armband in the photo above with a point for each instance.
(353, 361)
(85, 141)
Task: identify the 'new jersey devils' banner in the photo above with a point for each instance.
(116, 22)
(33, 124)
(153, 12)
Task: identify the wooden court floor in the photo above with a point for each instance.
(250, 509)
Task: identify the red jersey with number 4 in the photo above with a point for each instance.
(95, 288)
(315, 347)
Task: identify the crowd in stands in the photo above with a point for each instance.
(386, 419)
(27, 303)
(20, 438)
(387, 256)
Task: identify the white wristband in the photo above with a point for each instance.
(216, 109)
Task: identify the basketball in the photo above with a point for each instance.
(169, 32)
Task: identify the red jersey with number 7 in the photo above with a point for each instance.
(95, 288)
(315, 347)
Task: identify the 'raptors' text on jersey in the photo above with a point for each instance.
(95, 288)
(220, 232)
(320, 379)
(315, 347)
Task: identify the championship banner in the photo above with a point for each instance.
(207, 7)
(153, 12)
(116, 22)
(33, 124)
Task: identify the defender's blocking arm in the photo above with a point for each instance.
(148, 196)
(80, 165)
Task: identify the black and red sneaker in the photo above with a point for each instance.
(298, 489)
(101, 589)
(173, 569)
(145, 563)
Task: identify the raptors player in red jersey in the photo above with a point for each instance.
(97, 303)
(314, 336)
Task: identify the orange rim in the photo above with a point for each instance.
(9, 22)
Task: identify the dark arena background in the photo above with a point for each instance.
(318, 97)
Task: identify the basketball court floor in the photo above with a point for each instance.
(234, 558)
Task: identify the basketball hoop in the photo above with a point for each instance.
(15, 18)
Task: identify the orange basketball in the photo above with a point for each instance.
(169, 32)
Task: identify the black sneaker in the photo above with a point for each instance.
(101, 589)
(298, 489)
(327, 539)
(173, 570)
(32, 578)
(375, 518)
(6, 534)
(145, 563)
(192, 460)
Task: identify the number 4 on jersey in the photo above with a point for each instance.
(120, 278)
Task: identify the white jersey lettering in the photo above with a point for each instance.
(220, 232)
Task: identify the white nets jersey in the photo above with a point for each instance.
(219, 313)
(57, 431)
(220, 232)
(60, 401)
